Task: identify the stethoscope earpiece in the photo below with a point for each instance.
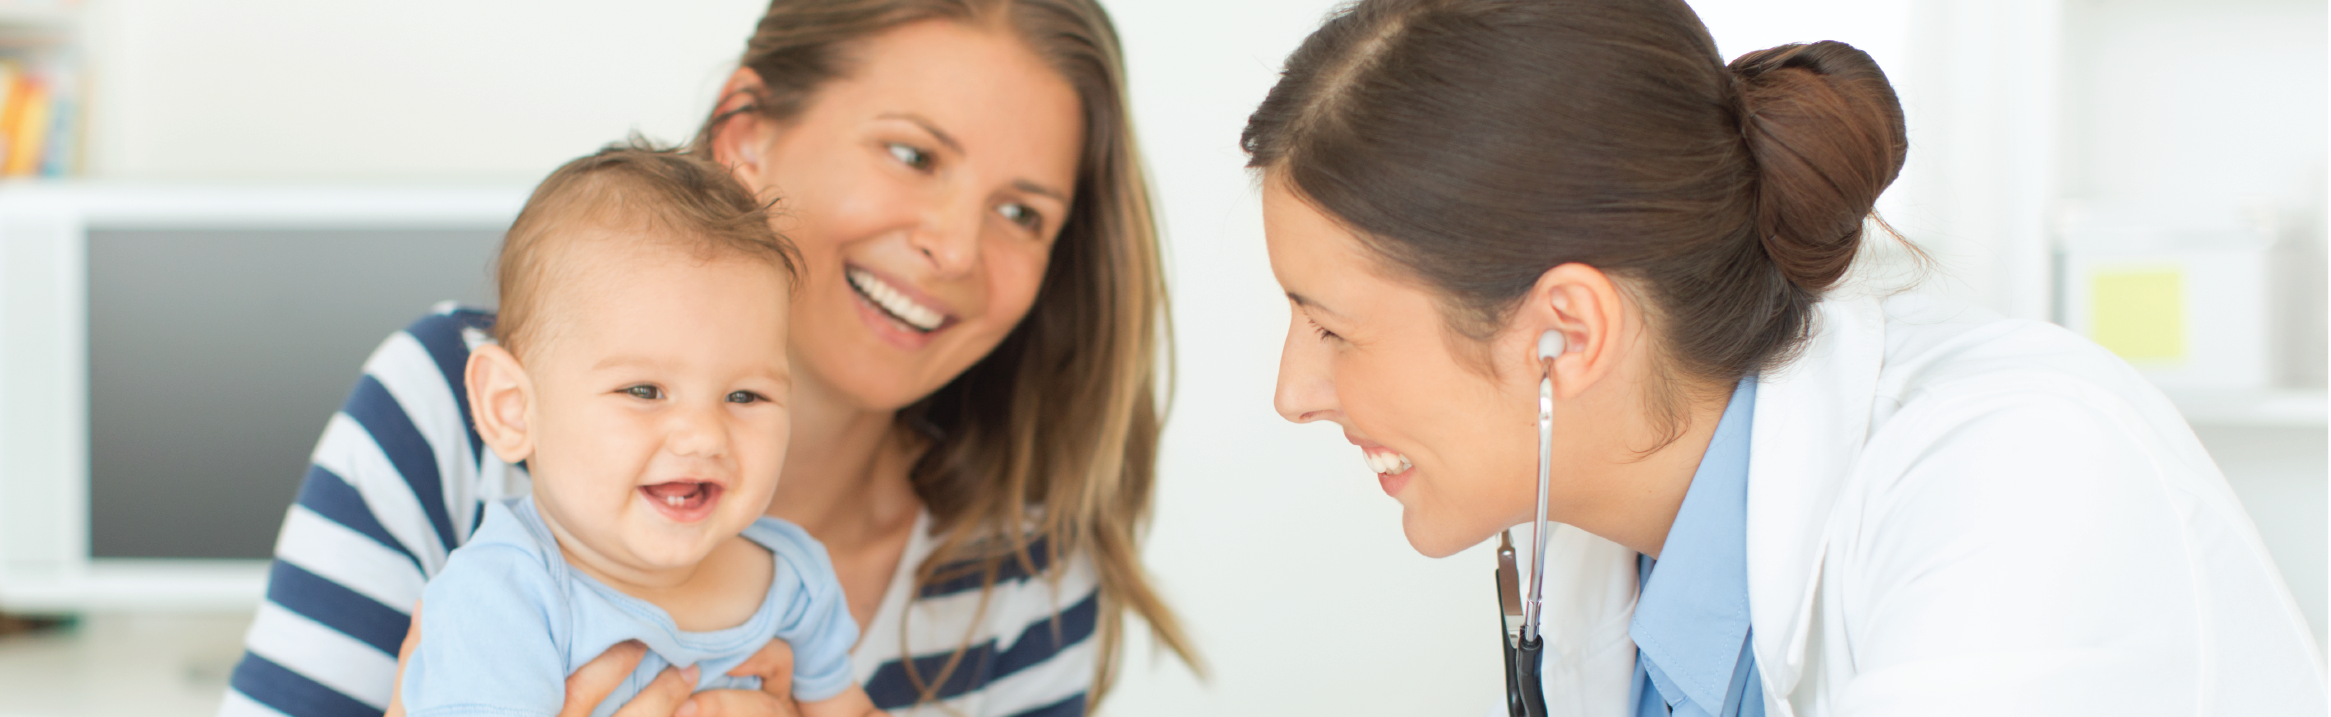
(1551, 344)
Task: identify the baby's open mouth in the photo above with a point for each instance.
(682, 500)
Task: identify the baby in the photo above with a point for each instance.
(641, 373)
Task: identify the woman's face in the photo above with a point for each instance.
(1448, 439)
(924, 189)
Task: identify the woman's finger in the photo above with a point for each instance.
(774, 665)
(739, 703)
(396, 705)
(662, 698)
(595, 680)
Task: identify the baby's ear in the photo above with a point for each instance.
(501, 399)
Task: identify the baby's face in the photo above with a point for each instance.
(660, 393)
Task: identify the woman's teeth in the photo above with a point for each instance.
(894, 303)
(1387, 463)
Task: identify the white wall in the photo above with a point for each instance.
(420, 90)
(2201, 105)
(1270, 538)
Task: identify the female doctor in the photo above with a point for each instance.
(1777, 494)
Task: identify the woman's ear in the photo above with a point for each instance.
(740, 137)
(1583, 306)
(501, 401)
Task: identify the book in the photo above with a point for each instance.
(29, 135)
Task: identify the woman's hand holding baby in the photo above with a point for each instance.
(774, 665)
(667, 696)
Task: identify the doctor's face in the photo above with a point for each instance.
(1368, 351)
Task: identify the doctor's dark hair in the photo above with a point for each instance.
(1475, 144)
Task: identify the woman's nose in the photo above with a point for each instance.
(1306, 390)
(949, 235)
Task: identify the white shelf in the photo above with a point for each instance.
(139, 585)
(38, 15)
(2266, 408)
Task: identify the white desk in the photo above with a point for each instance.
(122, 665)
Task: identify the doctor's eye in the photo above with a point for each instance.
(745, 397)
(646, 392)
(909, 155)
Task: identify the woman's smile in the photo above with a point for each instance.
(895, 311)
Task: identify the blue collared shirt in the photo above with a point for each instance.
(1691, 626)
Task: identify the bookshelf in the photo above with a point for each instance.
(43, 89)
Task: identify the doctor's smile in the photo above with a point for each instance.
(1391, 468)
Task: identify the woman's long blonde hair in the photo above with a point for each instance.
(1049, 443)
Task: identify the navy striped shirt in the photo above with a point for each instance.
(398, 480)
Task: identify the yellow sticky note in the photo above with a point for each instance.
(2139, 314)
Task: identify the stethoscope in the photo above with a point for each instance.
(1525, 694)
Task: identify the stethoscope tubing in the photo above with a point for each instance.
(1530, 609)
(1525, 648)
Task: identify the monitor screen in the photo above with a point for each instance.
(216, 356)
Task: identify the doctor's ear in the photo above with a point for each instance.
(1577, 312)
(501, 399)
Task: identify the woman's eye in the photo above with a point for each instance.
(909, 155)
(1020, 214)
(644, 392)
(744, 397)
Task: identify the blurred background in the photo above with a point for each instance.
(2092, 162)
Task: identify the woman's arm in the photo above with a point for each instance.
(391, 489)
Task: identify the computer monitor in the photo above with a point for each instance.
(169, 355)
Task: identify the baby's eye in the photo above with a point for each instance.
(644, 392)
(1020, 214)
(909, 155)
(744, 397)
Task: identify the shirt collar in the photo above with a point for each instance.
(1693, 613)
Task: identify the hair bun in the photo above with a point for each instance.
(1826, 132)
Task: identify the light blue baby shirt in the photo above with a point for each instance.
(1691, 626)
(508, 619)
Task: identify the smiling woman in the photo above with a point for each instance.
(974, 345)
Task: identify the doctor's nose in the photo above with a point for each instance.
(1306, 391)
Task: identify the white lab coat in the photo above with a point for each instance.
(1950, 513)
